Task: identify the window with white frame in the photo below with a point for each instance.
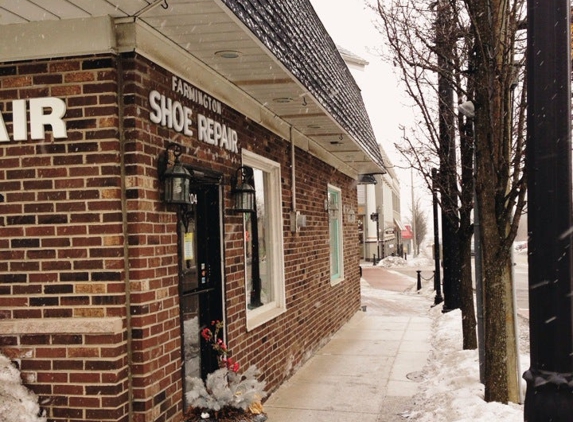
(335, 232)
(264, 254)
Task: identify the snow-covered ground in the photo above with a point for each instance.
(450, 390)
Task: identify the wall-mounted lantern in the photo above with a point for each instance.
(350, 214)
(333, 208)
(176, 178)
(331, 205)
(242, 190)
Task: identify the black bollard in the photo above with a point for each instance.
(419, 285)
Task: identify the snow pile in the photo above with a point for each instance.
(520, 247)
(393, 261)
(399, 262)
(451, 391)
(17, 403)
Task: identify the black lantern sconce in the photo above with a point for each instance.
(242, 190)
(176, 178)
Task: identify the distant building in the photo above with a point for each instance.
(408, 239)
(379, 211)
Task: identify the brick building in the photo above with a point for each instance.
(104, 285)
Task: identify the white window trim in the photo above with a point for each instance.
(340, 277)
(269, 311)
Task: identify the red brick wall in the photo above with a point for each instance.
(315, 308)
(152, 240)
(67, 234)
(61, 243)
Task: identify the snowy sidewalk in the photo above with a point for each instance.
(369, 371)
(398, 361)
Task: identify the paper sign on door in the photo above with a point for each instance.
(189, 250)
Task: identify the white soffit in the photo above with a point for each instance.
(53, 38)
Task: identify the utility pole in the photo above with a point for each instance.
(414, 241)
(549, 394)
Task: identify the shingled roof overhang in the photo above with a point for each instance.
(285, 61)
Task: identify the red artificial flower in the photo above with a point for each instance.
(232, 365)
(206, 334)
(219, 345)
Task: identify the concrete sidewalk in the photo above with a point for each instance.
(367, 371)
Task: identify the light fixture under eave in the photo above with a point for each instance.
(176, 178)
(228, 54)
(367, 179)
(242, 190)
(283, 100)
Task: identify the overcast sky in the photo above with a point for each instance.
(352, 26)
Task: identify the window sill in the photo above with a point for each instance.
(335, 281)
(262, 315)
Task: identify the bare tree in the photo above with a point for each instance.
(500, 178)
(431, 73)
(470, 47)
(420, 222)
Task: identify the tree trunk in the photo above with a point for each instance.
(491, 237)
(495, 312)
(467, 297)
(502, 371)
(445, 42)
(494, 64)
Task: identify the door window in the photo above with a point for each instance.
(188, 253)
(191, 339)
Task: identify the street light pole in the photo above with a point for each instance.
(414, 215)
(375, 216)
(437, 280)
(549, 394)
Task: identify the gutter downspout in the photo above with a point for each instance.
(121, 129)
(294, 225)
(293, 176)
